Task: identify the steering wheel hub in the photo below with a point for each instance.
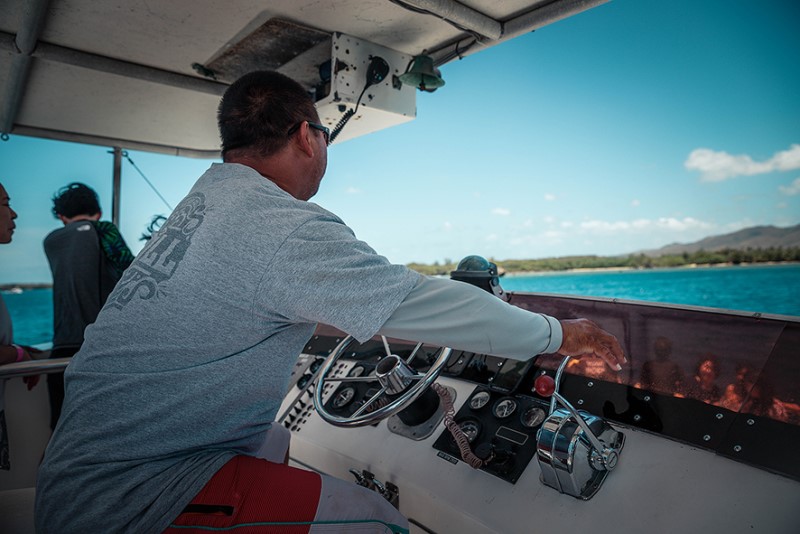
(394, 375)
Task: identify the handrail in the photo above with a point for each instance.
(34, 367)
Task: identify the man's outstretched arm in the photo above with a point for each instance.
(454, 314)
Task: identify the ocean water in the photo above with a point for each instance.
(771, 289)
(31, 315)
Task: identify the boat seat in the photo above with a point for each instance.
(16, 511)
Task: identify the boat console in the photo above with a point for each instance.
(470, 442)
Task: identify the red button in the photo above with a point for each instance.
(544, 385)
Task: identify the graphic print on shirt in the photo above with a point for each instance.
(159, 259)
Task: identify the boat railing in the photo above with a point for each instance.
(33, 367)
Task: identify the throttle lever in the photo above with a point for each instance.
(604, 457)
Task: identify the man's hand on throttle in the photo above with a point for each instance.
(582, 336)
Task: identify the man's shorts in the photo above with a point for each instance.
(254, 496)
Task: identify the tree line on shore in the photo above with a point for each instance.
(631, 261)
(567, 263)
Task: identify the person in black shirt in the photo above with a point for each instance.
(87, 258)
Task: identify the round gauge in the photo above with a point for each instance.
(470, 428)
(479, 400)
(504, 407)
(358, 370)
(533, 417)
(343, 397)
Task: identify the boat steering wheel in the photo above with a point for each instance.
(395, 377)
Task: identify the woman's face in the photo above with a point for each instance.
(7, 216)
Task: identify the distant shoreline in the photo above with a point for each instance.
(627, 269)
(26, 287)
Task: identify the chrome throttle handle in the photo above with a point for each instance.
(603, 457)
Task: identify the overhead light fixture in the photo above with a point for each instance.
(422, 74)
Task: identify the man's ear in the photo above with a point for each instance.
(303, 139)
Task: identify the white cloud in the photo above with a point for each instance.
(635, 202)
(501, 211)
(353, 191)
(788, 160)
(643, 225)
(719, 166)
(682, 225)
(447, 226)
(550, 197)
(792, 189)
(604, 226)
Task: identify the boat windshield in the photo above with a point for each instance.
(742, 363)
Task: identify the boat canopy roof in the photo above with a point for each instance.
(148, 75)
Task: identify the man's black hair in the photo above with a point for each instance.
(258, 110)
(75, 199)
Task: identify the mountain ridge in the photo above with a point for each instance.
(753, 237)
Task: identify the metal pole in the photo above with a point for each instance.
(463, 15)
(115, 195)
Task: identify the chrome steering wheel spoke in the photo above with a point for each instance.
(369, 402)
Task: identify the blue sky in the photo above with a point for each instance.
(636, 124)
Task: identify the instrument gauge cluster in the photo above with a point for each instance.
(499, 426)
(350, 395)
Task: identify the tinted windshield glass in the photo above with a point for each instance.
(742, 363)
